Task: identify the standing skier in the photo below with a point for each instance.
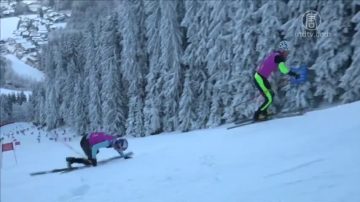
(275, 61)
(91, 144)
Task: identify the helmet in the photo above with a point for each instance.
(283, 46)
(120, 144)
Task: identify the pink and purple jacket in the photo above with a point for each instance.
(98, 137)
(270, 64)
(99, 140)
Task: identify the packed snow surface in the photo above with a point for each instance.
(311, 158)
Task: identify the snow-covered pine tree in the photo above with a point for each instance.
(51, 107)
(186, 111)
(76, 77)
(203, 93)
(187, 100)
(69, 94)
(66, 63)
(271, 15)
(219, 60)
(350, 82)
(80, 120)
(41, 103)
(21, 98)
(34, 102)
(170, 58)
(40, 100)
(196, 22)
(152, 108)
(133, 64)
(84, 44)
(4, 108)
(114, 104)
(70, 61)
(333, 49)
(51, 101)
(93, 79)
(60, 83)
(245, 60)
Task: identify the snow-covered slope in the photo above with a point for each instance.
(25, 70)
(301, 159)
(7, 27)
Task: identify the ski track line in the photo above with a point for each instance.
(295, 168)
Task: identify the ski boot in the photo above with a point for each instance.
(260, 116)
(69, 161)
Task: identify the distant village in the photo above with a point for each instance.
(32, 29)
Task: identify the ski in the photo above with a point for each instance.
(270, 117)
(49, 171)
(66, 170)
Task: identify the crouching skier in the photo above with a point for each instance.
(91, 144)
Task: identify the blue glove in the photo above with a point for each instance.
(295, 75)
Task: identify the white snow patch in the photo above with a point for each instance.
(58, 25)
(7, 27)
(4, 91)
(30, 16)
(25, 70)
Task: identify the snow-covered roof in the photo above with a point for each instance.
(58, 25)
(17, 32)
(34, 7)
(10, 48)
(29, 2)
(33, 54)
(30, 16)
(25, 33)
(28, 45)
(37, 38)
(52, 14)
(34, 34)
(31, 58)
(58, 18)
(42, 43)
(45, 8)
(20, 40)
(42, 28)
(24, 20)
(7, 12)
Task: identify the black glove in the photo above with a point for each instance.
(93, 162)
(295, 75)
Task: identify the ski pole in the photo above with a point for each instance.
(68, 146)
(71, 148)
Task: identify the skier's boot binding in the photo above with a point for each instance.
(69, 161)
(261, 116)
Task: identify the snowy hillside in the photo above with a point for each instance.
(313, 158)
(25, 70)
(10, 24)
